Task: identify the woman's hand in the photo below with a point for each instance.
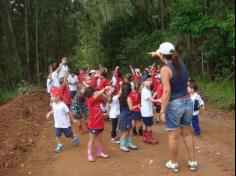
(154, 54)
(163, 117)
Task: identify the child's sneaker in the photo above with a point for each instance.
(58, 149)
(199, 136)
(174, 167)
(76, 141)
(115, 141)
(192, 165)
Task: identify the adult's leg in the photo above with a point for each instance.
(173, 136)
(189, 142)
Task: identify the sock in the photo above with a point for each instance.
(59, 145)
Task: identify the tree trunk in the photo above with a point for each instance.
(146, 19)
(162, 16)
(27, 42)
(6, 8)
(36, 41)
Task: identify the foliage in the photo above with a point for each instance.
(24, 88)
(111, 32)
(6, 95)
(217, 94)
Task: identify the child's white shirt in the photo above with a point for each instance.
(113, 80)
(63, 71)
(197, 97)
(60, 114)
(146, 105)
(72, 82)
(55, 79)
(49, 85)
(115, 107)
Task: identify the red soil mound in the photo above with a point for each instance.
(20, 124)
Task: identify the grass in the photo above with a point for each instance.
(6, 95)
(220, 95)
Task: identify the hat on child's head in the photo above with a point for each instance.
(56, 91)
(92, 71)
(145, 77)
(166, 48)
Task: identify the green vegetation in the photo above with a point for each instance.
(34, 34)
(217, 94)
(6, 95)
(24, 88)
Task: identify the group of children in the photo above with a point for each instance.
(127, 101)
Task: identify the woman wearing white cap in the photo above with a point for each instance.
(177, 107)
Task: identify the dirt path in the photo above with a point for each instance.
(215, 153)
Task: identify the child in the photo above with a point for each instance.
(55, 78)
(49, 83)
(116, 79)
(63, 68)
(102, 82)
(134, 102)
(73, 83)
(95, 121)
(114, 115)
(147, 101)
(62, 115)
(158, 93)
(79, 108)
(125, 120)
(65, 92)
(198, 104)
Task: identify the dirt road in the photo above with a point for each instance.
(215, 153)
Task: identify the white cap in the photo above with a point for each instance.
(166, 48)
(137, 70)
(92, 71)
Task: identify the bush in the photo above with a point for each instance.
(219, 95)
(24, 88)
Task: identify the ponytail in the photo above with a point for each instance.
(175, 61)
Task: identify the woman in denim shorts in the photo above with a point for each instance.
(177, 106)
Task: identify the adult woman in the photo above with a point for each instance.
(177, 107)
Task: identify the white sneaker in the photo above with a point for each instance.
(192, 165)
(174, 167)
(115, 141)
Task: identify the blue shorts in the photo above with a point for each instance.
(66, 131)
(148, 121)
(73, 93)
(179, 113)
(136, 116)
(95, 131)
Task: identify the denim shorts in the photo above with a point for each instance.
(66, 131)
(136, 116)
(179, 113)
(148, 121)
